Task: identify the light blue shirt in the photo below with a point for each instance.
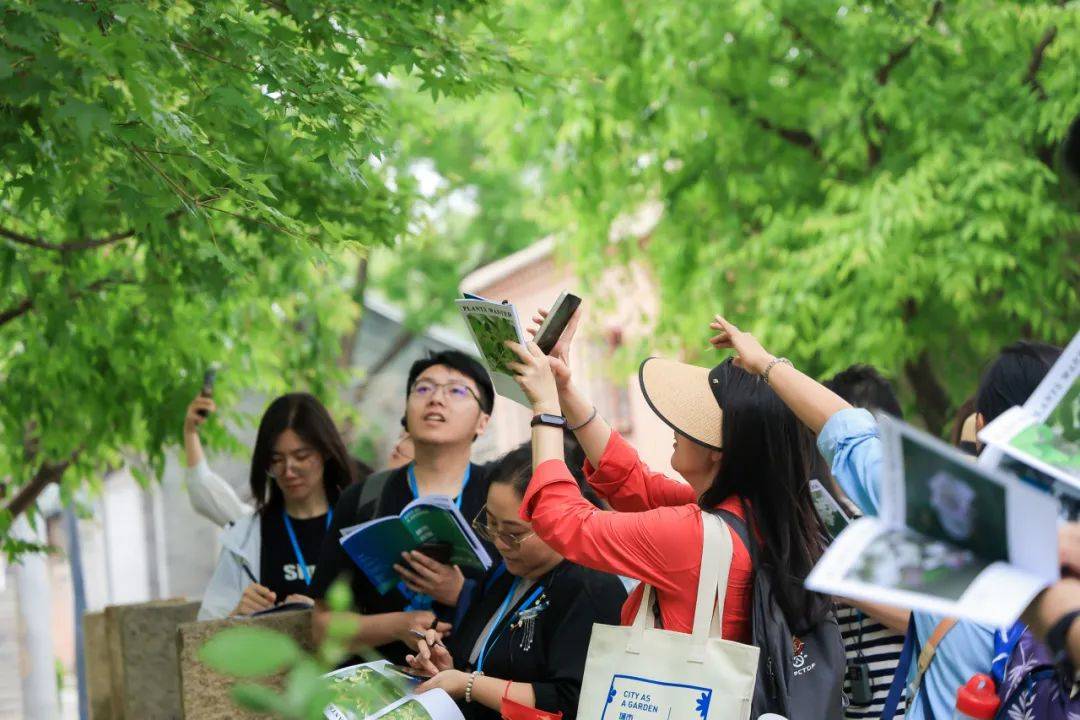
(852, 446)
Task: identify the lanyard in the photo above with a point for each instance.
(296, 545)
(461, 494)
(491, 637)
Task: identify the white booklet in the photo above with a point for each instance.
(376, 691)
(491, 325)
(953, 538)
(1045, 432)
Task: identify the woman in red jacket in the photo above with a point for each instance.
(738, 446)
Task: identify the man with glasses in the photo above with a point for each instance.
(449, 398)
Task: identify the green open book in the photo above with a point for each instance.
(375, 546)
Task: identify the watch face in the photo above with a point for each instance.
(552, 420)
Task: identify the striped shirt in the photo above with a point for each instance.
(880, 651)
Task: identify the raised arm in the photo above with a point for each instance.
(652, 546)
(847, 437)
(616, 472)
(812, 402)
(592, 431)
(626, 482)
(647, 545)
(211, 496)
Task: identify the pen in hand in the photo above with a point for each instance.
(247, 571)
(423, 636)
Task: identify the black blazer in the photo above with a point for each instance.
(576, 598)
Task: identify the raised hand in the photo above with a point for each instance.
(559, 357)
(193, 419)
(750, 355)
(535, 377)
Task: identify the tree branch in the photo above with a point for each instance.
(801, 37)
(1037, 57)
(27, 304)
(16, 311)
(396, 348)
(795, 136)
(897, 56)
(881, 77)
(76, 245)
(215, 58)
(42, 244)
(47, 474)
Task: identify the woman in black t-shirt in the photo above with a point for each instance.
(525, 632)
(298, 469)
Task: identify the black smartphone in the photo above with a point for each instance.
(207, 387)
(437, 551)
(558, 317)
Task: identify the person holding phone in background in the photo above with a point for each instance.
(299, 467)
(448, 403)
(211, 496)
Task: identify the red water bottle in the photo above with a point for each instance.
(977, 700)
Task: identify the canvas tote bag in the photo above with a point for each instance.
(644, 673)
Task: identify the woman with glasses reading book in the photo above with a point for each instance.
(524, 633)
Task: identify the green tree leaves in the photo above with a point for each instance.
(857, 183)
(182, 183)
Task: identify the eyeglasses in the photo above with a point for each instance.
(302, 459)
(485, 530)
(457, 392)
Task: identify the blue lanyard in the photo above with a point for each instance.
(461, 495)
(489, 641)
(296, 545)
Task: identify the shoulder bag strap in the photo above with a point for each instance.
(925, 658)
(896, 689)
(926, 654)
(371, 490)
(716, 555)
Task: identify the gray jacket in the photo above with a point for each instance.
(241, 544)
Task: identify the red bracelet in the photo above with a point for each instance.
(506, 692)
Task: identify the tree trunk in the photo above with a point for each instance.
(402, 341)
(348, 343)
(47, 474)
(930, 397)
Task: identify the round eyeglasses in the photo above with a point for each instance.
(491, 533)
(457, 392)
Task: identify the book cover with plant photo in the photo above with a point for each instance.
(492, 324)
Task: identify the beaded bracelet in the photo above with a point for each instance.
(469, 686)
(771, 365)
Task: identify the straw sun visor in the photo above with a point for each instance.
(681, 395)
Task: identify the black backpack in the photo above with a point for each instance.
(799, 677)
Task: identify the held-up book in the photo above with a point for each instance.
(1044, 433)
(376, 546)
(492, 324)
(832, 515)
(376, 691)
(953, 538)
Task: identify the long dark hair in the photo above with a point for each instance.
(305, 416)
(766, 463)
